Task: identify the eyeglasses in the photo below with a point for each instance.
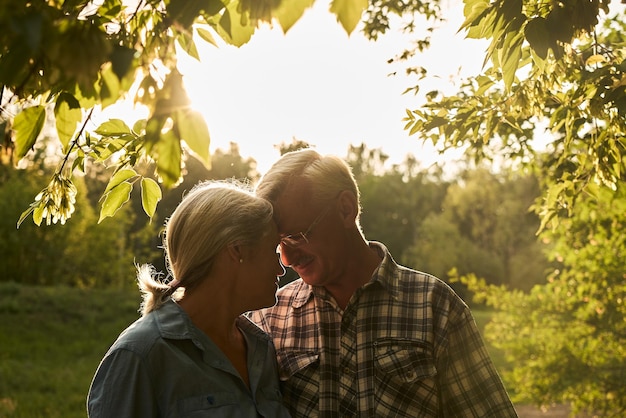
(301, 238)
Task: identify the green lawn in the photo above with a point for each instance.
(52, 339)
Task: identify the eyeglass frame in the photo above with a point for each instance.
(303, 236)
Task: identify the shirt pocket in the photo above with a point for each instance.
(216, 404)
(291, 363)
(405, 376)
(404, 360)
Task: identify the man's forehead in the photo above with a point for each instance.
(292, 203)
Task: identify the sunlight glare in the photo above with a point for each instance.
(316, 84)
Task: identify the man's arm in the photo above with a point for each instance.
(469, 383)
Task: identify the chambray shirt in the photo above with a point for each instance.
(405, 345)
(163, 366)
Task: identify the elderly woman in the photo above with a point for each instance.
(193, 353)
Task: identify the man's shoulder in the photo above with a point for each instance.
(408, 284)
(411, 275)
(391, 272)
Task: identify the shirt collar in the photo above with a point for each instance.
(387, 272)
(250, 328)
(302, 294)
(173, 322)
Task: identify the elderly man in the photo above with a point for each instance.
(358, 334)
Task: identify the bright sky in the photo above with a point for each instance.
(318, 85)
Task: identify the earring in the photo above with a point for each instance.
(241, 261)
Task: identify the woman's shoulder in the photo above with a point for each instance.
(139, 337)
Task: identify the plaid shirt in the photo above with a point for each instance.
(406, 345)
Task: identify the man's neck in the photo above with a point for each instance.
(360, 268)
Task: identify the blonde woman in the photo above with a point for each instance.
(193, 353)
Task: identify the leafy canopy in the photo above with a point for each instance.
(555, 73)
(63, 60)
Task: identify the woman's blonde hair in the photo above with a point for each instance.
(328, 175)
(211, 216)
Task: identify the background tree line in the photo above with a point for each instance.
(477, 223)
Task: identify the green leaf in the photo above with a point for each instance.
(113, 127)
(109, 86)
(86, 100)
(483, 24)
(115, 199)
(38, 213)
(511, 9)
(289, 12)
(474, 11)
(167, 154)
(68, 114)
(27, 126)
(348, 12)
(206, 35)
(121, 60)
(231, 29)
(118, 178)
(25, 214)
(194, 131)
(484, 84)
(436, 122)
(185, 40)
(537, 35)
(150, 195)
(186, 11)
(417, 126)
(511, 59)
(139, 126)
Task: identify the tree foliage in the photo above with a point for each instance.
(478, 222)
(79, 254)
(568, 337)
(555, 64)
(73, 58)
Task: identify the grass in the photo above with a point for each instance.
(51, 342)
(53, 338)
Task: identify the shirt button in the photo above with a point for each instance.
(410, 374)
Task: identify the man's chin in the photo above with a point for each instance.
(311, 279)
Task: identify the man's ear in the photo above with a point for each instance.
(348, 207)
